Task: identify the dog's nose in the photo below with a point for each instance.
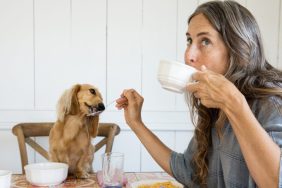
(101, 107)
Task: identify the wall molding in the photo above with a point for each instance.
(154, 120)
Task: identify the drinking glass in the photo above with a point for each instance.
(112, 169)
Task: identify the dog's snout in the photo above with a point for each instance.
(101, 107)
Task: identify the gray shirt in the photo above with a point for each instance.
(227, 167)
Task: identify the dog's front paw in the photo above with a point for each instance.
(82, 175)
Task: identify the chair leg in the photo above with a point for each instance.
(22, 147)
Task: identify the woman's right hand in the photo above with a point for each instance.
(131, 101)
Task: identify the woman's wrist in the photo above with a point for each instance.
(234, 103)
(136, 123)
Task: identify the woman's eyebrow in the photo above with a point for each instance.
(199, 34)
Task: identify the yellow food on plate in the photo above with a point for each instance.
(166, 184)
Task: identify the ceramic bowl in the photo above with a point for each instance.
(174, 76)
(5, 178)
(46, 174)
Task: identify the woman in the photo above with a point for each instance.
(236, 105)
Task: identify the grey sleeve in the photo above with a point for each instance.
(280, 171)
(180, 164)
(269, 114)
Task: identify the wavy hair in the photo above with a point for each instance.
(248, 70)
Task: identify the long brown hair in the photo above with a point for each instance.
(248, 70)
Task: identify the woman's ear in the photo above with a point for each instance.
(68, 103)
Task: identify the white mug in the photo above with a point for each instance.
(174, 76)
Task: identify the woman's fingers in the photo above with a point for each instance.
(131, 102)
(196, 87)
(202, 75)
(192, 87)
(199, 88)
(133, 96)
(138, 97)
(121, 102)
(128, 96)
(210, 88)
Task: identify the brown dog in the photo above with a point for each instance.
(77, 123)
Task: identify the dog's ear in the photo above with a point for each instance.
(93, 128)
(68, 103)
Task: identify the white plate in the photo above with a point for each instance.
(153, 181)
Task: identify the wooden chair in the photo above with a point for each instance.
(25, 132)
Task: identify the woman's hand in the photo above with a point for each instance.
(213, 89)
(131, 102)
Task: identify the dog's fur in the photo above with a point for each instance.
(70, 138)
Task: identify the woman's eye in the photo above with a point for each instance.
(205, 42)
(92, 91)
(189, 41)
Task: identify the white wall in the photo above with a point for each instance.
(48, 45)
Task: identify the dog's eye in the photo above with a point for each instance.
(92, 91)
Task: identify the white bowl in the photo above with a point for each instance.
(5, 178)
(174, 76)
(46, 174)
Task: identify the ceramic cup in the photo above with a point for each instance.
(174, 76)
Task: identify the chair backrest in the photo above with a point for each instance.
(25, 132)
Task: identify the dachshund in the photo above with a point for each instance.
(77, 122)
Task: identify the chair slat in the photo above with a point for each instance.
(37, 148)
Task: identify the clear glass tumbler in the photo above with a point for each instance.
(112, 169)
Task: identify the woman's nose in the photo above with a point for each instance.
(191, 55)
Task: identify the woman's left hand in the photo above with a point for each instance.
(213, 89)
